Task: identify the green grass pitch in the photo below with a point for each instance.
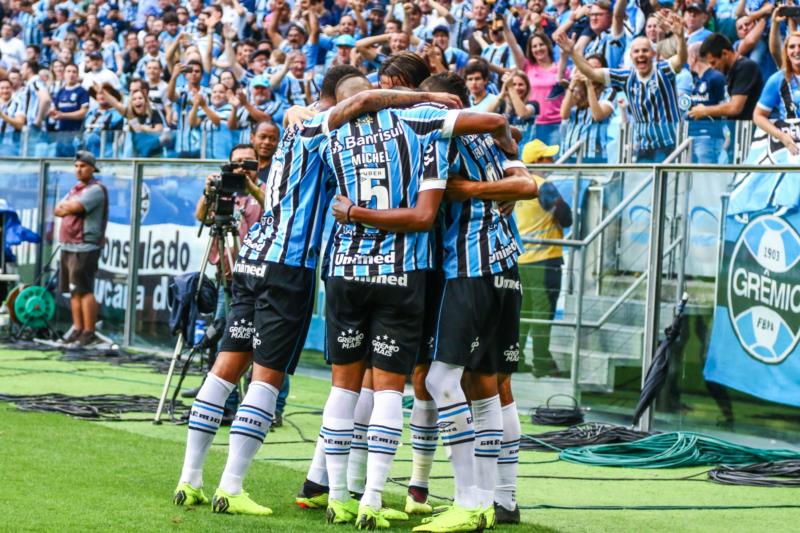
(63, 474)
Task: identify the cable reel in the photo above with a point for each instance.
(32, 306)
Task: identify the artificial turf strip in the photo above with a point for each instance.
(62, 474)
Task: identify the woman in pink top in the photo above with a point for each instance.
(542, 71)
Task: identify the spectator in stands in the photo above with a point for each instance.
(605, 34)
(695, 18)
(187, 142)
(497, 52)
(211, 116)
(476, 75)
(743, 77)
(587, 108)
(247, 112)
(101, 122)
(514, 102)
(11, 47)
(650, 89)
(454, 58)
(12, 119)
(294, 84)
(708, 89)
(781, 97)
(70, 105)
(540, 66)
(96, 72)
(144, 123)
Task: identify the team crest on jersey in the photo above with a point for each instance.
(385, 346)
(241, 329)
(763, 293)
(350, 339)
(475, 344)
(512, 354)
(366, 120)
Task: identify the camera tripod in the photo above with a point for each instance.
(225, 234)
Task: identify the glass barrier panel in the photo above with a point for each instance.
(19, 183)
(733, 369)
(169, 244)
(111, 288)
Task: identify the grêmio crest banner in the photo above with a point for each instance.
(754, 342)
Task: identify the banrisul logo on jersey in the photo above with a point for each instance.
(764, 289)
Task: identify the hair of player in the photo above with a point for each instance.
(340, 85)
(477, 66)
(447, 82)
(333, 77)
(714, 45)
(258, 125)
(241, 146)
(407, 67)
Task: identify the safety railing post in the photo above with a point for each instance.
(41, 203)
(575, 363)
(133, 263)
(654, 268)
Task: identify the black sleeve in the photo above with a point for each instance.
(745, 78)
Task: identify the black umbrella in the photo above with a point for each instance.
(657, 373)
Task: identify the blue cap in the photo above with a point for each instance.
(345, 40)
(261, 80)
(441, 27)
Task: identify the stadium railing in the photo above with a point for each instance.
(615, 298)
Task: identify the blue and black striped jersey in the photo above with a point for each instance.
(477, 239)
(652, 101)
(296, 201)
(382, 161)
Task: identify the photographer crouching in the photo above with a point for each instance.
(231, 203)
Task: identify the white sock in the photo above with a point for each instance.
(383, 438)
(424, 434)
(357, 462)
(204, 420)
(337, 431)
(505, 491)
(248, 431)
(487, 417)
(455, 428)
(318, 472)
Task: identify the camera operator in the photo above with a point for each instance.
(247, 210)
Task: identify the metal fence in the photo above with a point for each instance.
(643, 235)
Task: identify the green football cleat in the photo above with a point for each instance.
(454, 519)
(489, 517)
(417, 501)
(369, 518)
(339, 512)
(393, 514)
(222, 502)
(312, 496)
(187, 495)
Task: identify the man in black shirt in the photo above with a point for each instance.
(744, 81)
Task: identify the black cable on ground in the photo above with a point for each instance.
(580, 435)
(107, 407)
(548, 415)
(773, 474)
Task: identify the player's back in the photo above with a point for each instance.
(383, 160)
(478, 240)
(295, 200)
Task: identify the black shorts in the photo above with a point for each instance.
(271, 307)
(478, 325)
(77, 272)
(378, 321)
(434, 283)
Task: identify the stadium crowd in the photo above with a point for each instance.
(176, 75)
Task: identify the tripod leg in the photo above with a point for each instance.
(168, 380)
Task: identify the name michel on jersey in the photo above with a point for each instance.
(348, 142)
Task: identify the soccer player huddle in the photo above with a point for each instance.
(421, 279)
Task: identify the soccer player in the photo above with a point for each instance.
(375, 289)
(480, 247)
(273, 290)
(650, 88)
